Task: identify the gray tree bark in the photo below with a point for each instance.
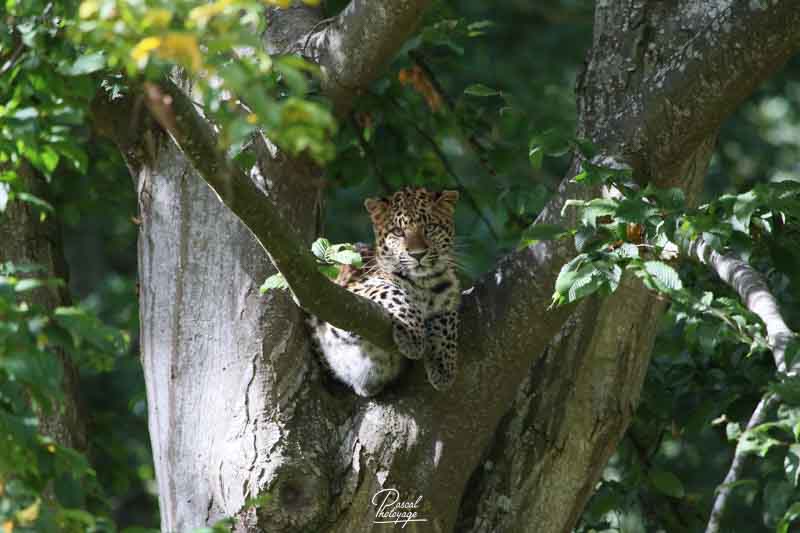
(238, 407)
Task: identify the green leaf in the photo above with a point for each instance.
(758, 441)
(24, 285)
(572, 203)
(628, 251)
(792, 352)
(587, 281)
(788, 389)
(275, 281)
(777, 495)
(75, 154)
(35, 200)
(665, 276)
(86, 327)
(791, 464)
(331, 271)
(789, 517)
(86, 64)
(584, 237)
(733, 430)
(478, 89)
(346, 257)
(592, 174)
(596, 208)
(567, 274)
(666, 483)
(743, 210)
(536, 156)
(673, 198)
(607, 498)
(49, 159)
(320, 248)
(25, 113)
(550, 142)
(257, 501)
(635, 210)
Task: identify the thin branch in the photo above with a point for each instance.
(191, 132)
(449, 168)
(472, 140)
(13, 58)
(645, 458)
(767, 403)
(755, 295)
(370, 153)
(480, 152)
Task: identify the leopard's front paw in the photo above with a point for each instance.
(411, 344)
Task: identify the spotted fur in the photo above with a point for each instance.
(412, 276)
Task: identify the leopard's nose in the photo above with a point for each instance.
(418, 254)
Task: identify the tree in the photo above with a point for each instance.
(241, 419)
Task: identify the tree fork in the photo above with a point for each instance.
(236, 406)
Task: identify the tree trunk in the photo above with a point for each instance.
(238, 406)
(29, 240)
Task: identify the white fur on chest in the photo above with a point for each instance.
(365, 367)
(357, 362)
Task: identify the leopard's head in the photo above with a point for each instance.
(414, 231)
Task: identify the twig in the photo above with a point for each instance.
(373, 161)
(12, 60)
(472, 140)
(449, 168)
(768, 401)
(646, 459)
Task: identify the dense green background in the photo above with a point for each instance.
(528, 54)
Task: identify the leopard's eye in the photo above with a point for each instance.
(397, 232)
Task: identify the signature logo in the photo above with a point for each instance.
(393, 510)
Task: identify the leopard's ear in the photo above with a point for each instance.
(446, 200)
(377, 209)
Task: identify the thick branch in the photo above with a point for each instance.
(717, 69)
(351, 51)
(191, 132)
(682, 88)
(359, 43)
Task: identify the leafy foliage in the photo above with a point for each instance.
(32, 340)
(708, 362)
(239, 85)
(463, 105)
(330, 259)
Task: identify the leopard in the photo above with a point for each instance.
(411, 273)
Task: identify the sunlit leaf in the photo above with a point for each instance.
(478, 89)
(275, 281)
